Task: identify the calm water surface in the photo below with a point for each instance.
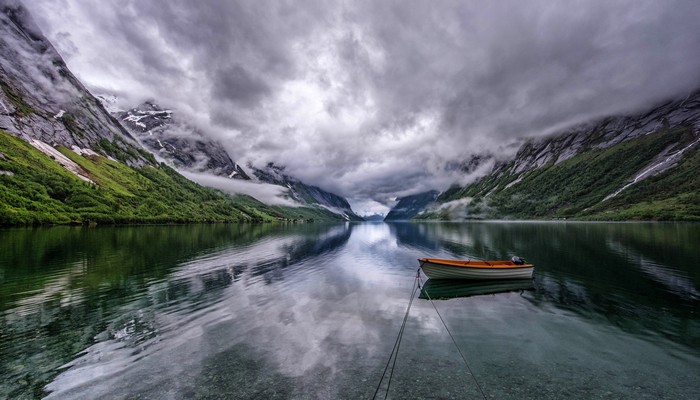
(313, 311)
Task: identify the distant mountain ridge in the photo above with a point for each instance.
(306, 194)
(410, 206)
(187, 148)
(626, 167)
(180, 144)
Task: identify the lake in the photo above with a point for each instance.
(312, 311)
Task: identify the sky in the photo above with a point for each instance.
(377, 99)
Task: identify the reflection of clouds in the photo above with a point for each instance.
(328, 311)
(314, 311)
(671, 278)
(333, 312)
(227, 292)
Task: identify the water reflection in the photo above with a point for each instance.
(311, 311)
(440, 289)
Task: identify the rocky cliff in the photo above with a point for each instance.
(622, 167)
(42, 102)
(410, 206)
(176, 142)
(306, 194)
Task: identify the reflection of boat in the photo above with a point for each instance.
(472, 269)
(451, 288)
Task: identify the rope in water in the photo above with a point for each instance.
(417, 285)
(420, 284)
(397, 343)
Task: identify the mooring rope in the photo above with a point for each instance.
(420, 284)
(397, 343)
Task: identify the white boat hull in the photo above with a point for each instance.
(441, 271)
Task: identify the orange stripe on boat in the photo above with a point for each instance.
(475, 263)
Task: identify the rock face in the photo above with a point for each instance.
(189, 149)
(410, 206)
(177, 143)
(306, 194)
(41, 99)
(589, 170)
(42, 103)
(604, 134)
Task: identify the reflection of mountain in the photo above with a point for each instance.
(647, 281)
(125, 285)
(676, 282)
(413, 235)
(673, 280)
(459, 240)
(589, 279)
(293, 251)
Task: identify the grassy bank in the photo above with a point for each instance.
(35, 190)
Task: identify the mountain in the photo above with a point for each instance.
(181, 145)
(410, 206)
(641, 166)
(42, 102)
(374, 217)
(306, 194)
(65, 160)
(186, 148)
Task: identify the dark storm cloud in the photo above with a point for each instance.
(238, 86)
(374, 99)
(518, 68)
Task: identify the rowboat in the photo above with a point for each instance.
(439, 289)
(437, 268)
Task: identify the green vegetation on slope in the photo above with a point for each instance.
(576, 188)
(672, 195)
(34, 189)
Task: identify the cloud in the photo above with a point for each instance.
(267, 193)
(238, 86)
(373, 100)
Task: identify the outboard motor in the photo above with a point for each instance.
(517, 260)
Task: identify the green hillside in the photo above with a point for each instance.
(34, 189)
(576, 188)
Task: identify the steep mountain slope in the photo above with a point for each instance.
(35, 189)
(409, 206)
(374, 217)
(178, 143)
(42, 102)
(631, 167)
(306, 194)
(189, 149)
(64, 159)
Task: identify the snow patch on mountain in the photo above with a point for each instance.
(176, 143)
(61, 159)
